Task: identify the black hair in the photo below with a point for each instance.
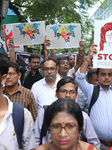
(14, 65)
(65, 80)
(50, 59)
(97, 72)
(66, 105)
(4, 64)
(90, 73)
(70, 55)
(65, 58)
(33, 56)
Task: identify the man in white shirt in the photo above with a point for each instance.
(8, 134)
(44, 90)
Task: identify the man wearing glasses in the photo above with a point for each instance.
(66, 88)
(44, 90)
(18, 93)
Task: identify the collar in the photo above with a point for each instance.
(58, 76)
(101, 89)
(10, 105)
(18, 90)
(44, 81)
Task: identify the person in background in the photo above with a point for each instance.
(71, 58)
(29, 77)
(91, 78)
(63, 67)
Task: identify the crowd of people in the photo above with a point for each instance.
(63, 105)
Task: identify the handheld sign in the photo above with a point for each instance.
(103, 38)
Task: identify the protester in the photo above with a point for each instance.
(44, 90)
(91, 78)
(101, 111)
(71, 58)
(29, 77)
(63, 67)
(8, 135)
(18, 93)
(66, 88)
(64, 120)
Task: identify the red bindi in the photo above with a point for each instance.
(63, 122)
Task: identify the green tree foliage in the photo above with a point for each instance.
(55, 11)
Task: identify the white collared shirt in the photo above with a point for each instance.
(8, 139)
(44, 95)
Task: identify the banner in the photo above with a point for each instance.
(64, 35)
(23, 57)
(8, 32)
(29, 33)
(103, 38)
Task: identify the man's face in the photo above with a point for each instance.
(67, 91)
(34, 64)
(94, 79)
(63, 66)
(12, 77)
(50, 70)
(105, 77)
(71, 60)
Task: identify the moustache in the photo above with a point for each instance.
(49, 74)
(8, 80)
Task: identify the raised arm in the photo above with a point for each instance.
(80, 56)
(88, 58)
(12, 52)
(46, 43)
(52, 53)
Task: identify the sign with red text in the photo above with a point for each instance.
(29, 33)
(103, 38)
(64, 35)
(8, 32)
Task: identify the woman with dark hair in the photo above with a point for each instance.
(64, 120)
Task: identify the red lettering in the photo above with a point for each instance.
(105, 56)
(110, 56)
(99, 56)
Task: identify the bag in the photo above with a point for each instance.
(44, 128)
(25, 76)
(18, 121)
(27, 73)
(94, 96)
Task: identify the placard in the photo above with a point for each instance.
(29, 33)
(8, 32)
(103, 38)
(64, 35)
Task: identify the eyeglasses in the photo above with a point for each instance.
(11, 73)
(72, 92)
(52, 69)
(35, 62)
(69, 128)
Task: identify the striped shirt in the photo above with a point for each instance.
(24, 97)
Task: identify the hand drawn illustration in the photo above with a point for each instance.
(29, 33)
(103, 39)
(64, 35)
